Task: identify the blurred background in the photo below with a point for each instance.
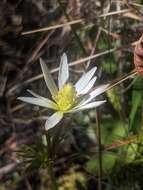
(107, 29)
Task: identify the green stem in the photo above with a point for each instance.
(50, 165)
(52, 176)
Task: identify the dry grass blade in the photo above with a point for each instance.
(121, 79)
(131, 139)
(52, 27)
(8, 168)
(72, 22)
(133, 16)
(136, 4)
(39, 47)
(115, 13)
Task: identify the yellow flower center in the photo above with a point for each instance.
(66, 97)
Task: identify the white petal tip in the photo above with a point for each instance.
(89, 106)
(19, 98)
(48, 78)
(63, 71)
(53, 120)
(64, 55)
(94, 68)
(84, 80)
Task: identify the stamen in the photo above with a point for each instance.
(66, 97)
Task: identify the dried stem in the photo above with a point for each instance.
(52, 27)
(98, 135)
(121, 79)
(74, 32)
(73, 22)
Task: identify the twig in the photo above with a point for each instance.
(128, 87)
(136, 4)
(8, 168)
(74, 32)
(17, 107)
(94, 48)
(114, 35)
(129, 140)
(52, 27)
(121, 79)
(98, 134)
(28, 184)
(39, 47)
(72, 22)
(133, 8)
(115, 12)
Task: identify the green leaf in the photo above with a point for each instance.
(108, 162)
(109, 66)
(112, 131)
(114, 99)
(137, 95)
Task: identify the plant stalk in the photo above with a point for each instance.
(52, 176)
(98, 135)
(50, 165)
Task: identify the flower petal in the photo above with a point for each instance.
(38, 102)
(95, 93)
(89, 106)
(84, 80)
(41, 97)
(48, 79)
(98, 91)
(89, 86)
(37, 95)
(63, 71)
(53, 120)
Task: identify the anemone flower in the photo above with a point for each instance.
(67, 97)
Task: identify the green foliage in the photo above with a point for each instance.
(112, 131)
(136, 105)
(114, 98)
(108, 162)
(33, 156)
(103, 42)
(128, 177)
(109, 65)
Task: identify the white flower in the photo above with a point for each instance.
(66, 98)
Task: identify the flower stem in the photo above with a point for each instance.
(52, 176)
(98, 135)
(50, 165)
